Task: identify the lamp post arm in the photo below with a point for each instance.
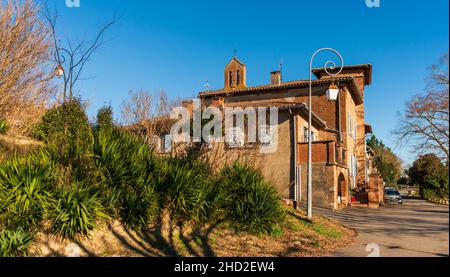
(329, 65)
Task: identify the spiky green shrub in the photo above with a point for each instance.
(24, 190)
(76, 212)
(14, 243)
(139, 207)
(4, 126)
(128, 176)
(251, 204)
(188, 192)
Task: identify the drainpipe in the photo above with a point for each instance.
(297, 191)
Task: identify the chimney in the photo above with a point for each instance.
(275, 77)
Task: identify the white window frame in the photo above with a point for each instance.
(305, 135)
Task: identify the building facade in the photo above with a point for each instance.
(341, 162)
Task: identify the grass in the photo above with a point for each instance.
(326, 232)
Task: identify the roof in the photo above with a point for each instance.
(367, 68)
(235, 59)
(350, 81)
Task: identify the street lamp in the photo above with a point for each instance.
(59, 71)
(332, 94)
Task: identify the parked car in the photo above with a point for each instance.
(389, 188)
(393, 197)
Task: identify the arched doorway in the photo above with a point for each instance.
(342, 190)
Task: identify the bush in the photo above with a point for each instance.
(139, 208)
(66, 126)
(188, 192)
(14, 243)
(105, 118)
(251, 204)
(24, 193)
(127, 175)
(76, 212)
(4, 126)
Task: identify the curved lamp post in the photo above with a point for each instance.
(60, 58)
(329, 65)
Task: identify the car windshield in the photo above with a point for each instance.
(391, 192)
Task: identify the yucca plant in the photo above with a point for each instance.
(4, 126)
(76, 212)
(24, 191)
(188, 193)
(251, 204)
(139, 207)
(14, 243)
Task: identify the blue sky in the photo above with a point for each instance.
(177, 45)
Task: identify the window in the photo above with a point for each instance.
(353, 168)
(230, 78)
(238, 78)
(352, 128)
(349, 123)
(166, 143)
(305, 135)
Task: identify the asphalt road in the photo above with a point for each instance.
(415, 229)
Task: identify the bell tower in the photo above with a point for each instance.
(235, 74)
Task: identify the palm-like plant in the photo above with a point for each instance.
(251, 203)
(76, 212)
(24, 193)
(14, 243)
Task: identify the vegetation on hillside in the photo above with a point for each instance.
(88, 173)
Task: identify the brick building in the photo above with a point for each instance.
(341, 162)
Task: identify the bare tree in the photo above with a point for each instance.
(24, 69)
(147, 115)
(72, 57)
(138, 108)
(425, 122)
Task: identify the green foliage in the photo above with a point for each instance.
(386, 161)
(127, 176)
(4, 126)
(14, 243)
(188, 192)
(432, 176)
(24, 191)
(251, 204)
(139, 208)
(76, 212)
(66, 126)
(105, 118)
